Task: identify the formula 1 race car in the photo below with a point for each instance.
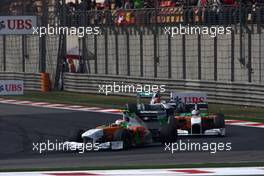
(155, 115)
(195, 119)
(198, 122)
(125, 133)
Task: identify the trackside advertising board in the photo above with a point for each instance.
(17, 24)
(189, 97)
(11, 87)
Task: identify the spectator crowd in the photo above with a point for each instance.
(131, 11)
(86, 5)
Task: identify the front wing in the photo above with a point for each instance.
(210, 132)
(113, 145)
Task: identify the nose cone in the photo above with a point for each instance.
(93, 134)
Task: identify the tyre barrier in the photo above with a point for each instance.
(31, 80)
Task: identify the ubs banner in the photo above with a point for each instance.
(11, 87)
(189, 97)
(17, 24)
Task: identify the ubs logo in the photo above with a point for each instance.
(19, 24)
(2, 25)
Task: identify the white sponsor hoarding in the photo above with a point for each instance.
(189, 97)
(11, 87)
(17, 24)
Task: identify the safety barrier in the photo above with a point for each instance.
(45, 82)
(245, 94)
(31, 80)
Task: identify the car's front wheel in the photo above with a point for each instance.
(125, 136)
(76, 135)
(168, 132)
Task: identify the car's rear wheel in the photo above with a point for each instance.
(132, 108)
(219, 121)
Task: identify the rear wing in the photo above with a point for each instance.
(189, 98)
(203, 107)
(145, 94)
(152, 95)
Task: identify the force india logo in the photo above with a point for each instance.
(2, 25)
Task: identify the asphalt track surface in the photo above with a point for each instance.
(20, 126)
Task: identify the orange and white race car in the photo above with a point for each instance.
(194, 118)
(197, 121)
(130, 131)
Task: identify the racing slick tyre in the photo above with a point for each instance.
(125, 136)
(131, 108)
(168, 132)
(76, 135)
(172, 120)
(219, 121)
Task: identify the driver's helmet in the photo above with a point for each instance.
(121, 122)
(195, 112)
(126, 117)
(156, 98)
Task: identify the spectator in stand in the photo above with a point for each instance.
(131, 2)
(228, 2)
(30, 7)
(138, 4)
(200, 12)
(242, 10)
(127, 5)
(76, 3)
(228, 9)
(82, 6)
(259, 2)
(93, 5)
(70, 7)
(118, 4)
(190, 2)
(57, 8)
(107, 4)
(258, 11)
(148, 4)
